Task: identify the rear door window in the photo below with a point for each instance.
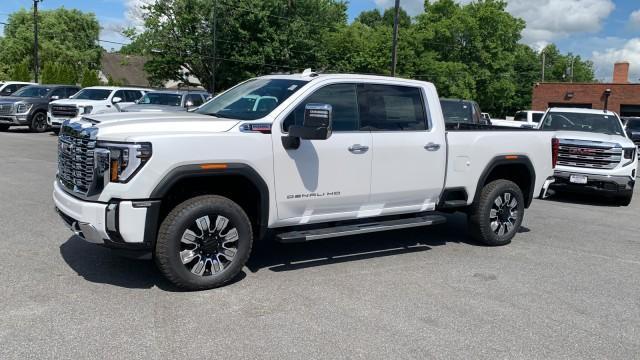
(536, 117)
(393, 108)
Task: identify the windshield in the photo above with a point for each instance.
(92, 94)
(161, 99)
(633, 124)
(455, 111)
(251, 100)
(32, 91)
(596, 123)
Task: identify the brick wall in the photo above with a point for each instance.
(621, 94)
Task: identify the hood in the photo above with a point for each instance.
(75, 102)
(131, 125)
(595, 137)
(152, 108)
(15, 99)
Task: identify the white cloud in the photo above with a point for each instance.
(634, 19)
(604, 60)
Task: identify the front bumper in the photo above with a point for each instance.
(595, 183)
(125, 225)
(21, 119)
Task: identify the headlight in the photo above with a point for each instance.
(23, 108)
(87, 110)
(119, 162)
(630, 155)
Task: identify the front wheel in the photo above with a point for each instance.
(204, 243)
(497, 214)
(38, 122)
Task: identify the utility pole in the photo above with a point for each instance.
(215, 55)
(543, 63)
(36, 64)
(572, 60)
(394, 51)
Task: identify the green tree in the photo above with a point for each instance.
(252, 37)
(20, 72)
(558, 67)
(90, 78)
(66, 36)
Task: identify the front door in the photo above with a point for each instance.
(324, 179)
(409, 154)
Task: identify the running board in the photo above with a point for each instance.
(345, 230)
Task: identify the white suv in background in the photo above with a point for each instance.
(93, 100)
(595, 154)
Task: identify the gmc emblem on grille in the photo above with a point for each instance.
(578, 151)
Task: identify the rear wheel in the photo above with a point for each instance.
(4, 127)
(39, 122)
(204, 243)
(497, 214)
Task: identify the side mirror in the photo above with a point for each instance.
(188, 104)
(137, 101)
(629, 133)
(116, 100)
(55, 97)
(316, 124)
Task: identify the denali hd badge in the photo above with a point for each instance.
(313, 195)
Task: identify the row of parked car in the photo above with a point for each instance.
(42, 107)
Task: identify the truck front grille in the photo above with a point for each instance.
(587, 154)
(65, 111)
(5, 109)
(75, 162)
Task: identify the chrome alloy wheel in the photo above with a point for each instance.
(504, 213)
(207, 250)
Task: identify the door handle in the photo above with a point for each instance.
(358, 149)
(432, 147)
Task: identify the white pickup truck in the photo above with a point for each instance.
(91, 101)
(522, 119)
(595, 154)
(333, 155)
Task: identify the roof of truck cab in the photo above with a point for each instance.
(582, 111)
(317, 76)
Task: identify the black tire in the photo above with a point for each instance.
(38, 122)
(499, 227)
(4, 127)
(174, 240)
(623, 200)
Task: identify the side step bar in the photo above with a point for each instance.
(345, 230)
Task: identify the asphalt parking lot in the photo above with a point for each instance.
(567, 287)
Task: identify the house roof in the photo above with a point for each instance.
(128, 69)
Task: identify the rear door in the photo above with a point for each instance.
(409, 153)
(324, 179)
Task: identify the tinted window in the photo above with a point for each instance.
(536, 117)
(195, 99)
(456, 111)
(596, 123)
(158, 98)
(393, 108)
(121, 95)
(633, 124)
(71, 92)
(59, 92)
(343, 99)
(92, 94)
(521, 116)
(33, 91)
(132, 95)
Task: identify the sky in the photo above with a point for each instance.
(603, 31)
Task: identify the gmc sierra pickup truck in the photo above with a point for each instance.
(322, 156)
(595, 156)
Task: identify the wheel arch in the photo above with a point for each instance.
(516, 168)
(240, 182)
